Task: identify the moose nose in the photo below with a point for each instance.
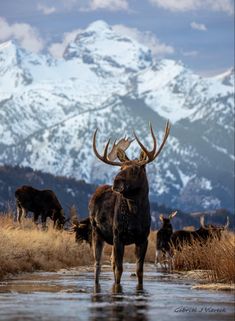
(118, 186)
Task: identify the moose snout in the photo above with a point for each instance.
(118, 186)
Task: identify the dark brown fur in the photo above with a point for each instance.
(203, 234)
(163, 239)
(120, 215)
(83, 231)
(40, 202)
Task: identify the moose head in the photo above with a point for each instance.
(58, 217)
(213, 230)
(132, 175)
(166, 221)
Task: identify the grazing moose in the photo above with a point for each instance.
(203, 234)
(163, 239)
(40, 202)
(120, 214)
(82, 229)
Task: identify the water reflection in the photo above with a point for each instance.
(119, 305)
(60, 297)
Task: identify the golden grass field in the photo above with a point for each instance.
(26, 248)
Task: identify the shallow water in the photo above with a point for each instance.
(71, 295)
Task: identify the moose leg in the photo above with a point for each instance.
(35, 218)
(19, 212)
(140, 251)
(97, 244)
(157, 257)
(44, 222)
(118, 252)
(25, 212)
(112, 260)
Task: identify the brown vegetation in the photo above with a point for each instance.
(129, 255)
(28, 249)
(216, 257)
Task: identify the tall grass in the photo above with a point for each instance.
(30, 249)
(216, 257)
(26, 248)
(129, 254)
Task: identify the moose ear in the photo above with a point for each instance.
(161, 217)
(143, 156)
(173, 214)
(121, 155)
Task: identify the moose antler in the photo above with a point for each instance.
(224, 227)
(173, 214)
(202, 221)
(227, 223)
(154, 153)
(122, 144)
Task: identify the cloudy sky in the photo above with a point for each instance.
(198, 32)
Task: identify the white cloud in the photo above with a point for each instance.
(82, 5)
(26, 35)
(187, 5)
(57, 49)
(112, 5)
(45, 9)
(175, 5)
(93, 5)
(146, 38)
(198, 26)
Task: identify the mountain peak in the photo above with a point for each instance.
(9, 48)
(102, 46)
(98, 26)
(8, 44)
(227, 77)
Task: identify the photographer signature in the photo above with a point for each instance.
(205, 309)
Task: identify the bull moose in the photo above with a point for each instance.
(203, 234)
(120, 214)
(40, 202)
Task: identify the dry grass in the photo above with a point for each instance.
(129, 255)
(26, 249)
(217, 258)
(29, 249)
(215, 287)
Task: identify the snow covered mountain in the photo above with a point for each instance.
(50, 108)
